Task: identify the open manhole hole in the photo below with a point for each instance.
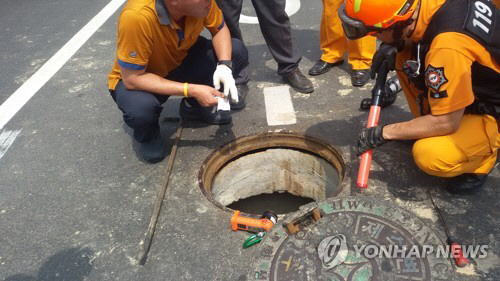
(271, 171)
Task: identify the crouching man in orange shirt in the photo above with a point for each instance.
(160, 53)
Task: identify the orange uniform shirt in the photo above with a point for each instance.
(447, 66)
(149, 39)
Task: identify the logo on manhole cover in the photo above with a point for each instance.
(340, 246)
(333, 251)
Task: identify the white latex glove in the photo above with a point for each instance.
(224, 75)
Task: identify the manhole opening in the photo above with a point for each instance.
(279, 203)
(271, 171)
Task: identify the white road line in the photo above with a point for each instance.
(24, 93)
(291, 7)
(279, 107)
(7, 138)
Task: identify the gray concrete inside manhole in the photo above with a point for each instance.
(271, 171)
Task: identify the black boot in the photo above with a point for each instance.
(386, 100)
(322, 67)
(389, 95)
(298, 81)
(151, 151)
(242, 95)
(466, 184)
(190, 109)
(360, 77)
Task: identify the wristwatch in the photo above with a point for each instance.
(228, 63)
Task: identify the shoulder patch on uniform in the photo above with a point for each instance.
(438, 95)
(434, 77)
(133, 54)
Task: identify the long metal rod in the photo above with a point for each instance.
(440, 215)
(146, 245)
(456, 248)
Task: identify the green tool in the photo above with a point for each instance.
(254, 239)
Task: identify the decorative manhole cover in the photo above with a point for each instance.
(358, 238)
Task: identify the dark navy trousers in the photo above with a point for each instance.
(275, 27)
(141, 110)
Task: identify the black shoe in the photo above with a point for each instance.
(322, 67)
(389, 95)
(385, 101)
(242, 95)
(190, 109)
(152, 151)
(466, 184)
(360, 77)
(298, 81)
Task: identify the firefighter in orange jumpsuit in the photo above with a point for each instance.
(447, 56)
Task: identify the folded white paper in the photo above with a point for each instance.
(223, 104)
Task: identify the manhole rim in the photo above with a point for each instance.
(243, 145)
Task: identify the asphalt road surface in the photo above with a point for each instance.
(75, 201)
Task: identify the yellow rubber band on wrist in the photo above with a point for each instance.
(186, 89)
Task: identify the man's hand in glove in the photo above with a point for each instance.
(370, 138)
(385, 52)
(223, 74)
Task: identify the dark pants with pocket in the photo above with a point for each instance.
(275, 27)
(141, 110)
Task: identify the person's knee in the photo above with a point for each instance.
(142, 119)
(239, 51)
(433, 158)
(143, 115)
